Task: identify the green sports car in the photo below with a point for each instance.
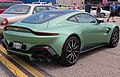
(60, 35)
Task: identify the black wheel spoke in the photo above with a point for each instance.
(76, 47)
(69, 55)
(74, 55)
(68, 50)
(72, 43)
(76, 51)
(69, 46)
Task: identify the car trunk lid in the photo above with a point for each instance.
(23, 27)
(12, 18)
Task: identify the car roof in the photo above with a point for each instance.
(39, 3)
(35, 4)
(61, 11)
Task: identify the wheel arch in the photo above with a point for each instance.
(77, 36)
(117, 27)
(73, 35)
(102, 13)
(62, 58)
(113, 29)
(110, 41)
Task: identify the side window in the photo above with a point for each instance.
(51, 8)
(7, 4)
(72, 19)
(85, 18)
(39, 9)
(1, 6)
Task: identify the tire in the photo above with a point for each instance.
(70, 51)
(114, 38)
(102, 15)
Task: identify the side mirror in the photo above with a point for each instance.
(100, 20)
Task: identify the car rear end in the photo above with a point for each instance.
(27, 42)
(33, 38)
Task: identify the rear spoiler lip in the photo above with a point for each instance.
(34, 32)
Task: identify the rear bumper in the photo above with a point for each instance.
(1, 28)
(26, 55)
(42, 52)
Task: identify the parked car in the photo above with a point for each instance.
(39, 3)
(42, 3)
(103, 12)
(4, 4)
(20, 11)
(60, 35)
(62, 6)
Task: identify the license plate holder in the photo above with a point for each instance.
(17, 45)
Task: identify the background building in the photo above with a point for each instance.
(68, 2)
(30, 1)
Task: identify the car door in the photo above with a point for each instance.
(94, 33)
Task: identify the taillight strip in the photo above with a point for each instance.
(36, 33)
(4, 22)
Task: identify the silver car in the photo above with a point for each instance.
(20, 11)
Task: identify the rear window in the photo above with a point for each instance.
(40, 8)
(18, 9)
(40, 18)
(52, 8)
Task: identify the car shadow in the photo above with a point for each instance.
(88, 53)
(55, 65)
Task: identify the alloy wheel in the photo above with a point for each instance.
(115, 37)
(72, 50)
